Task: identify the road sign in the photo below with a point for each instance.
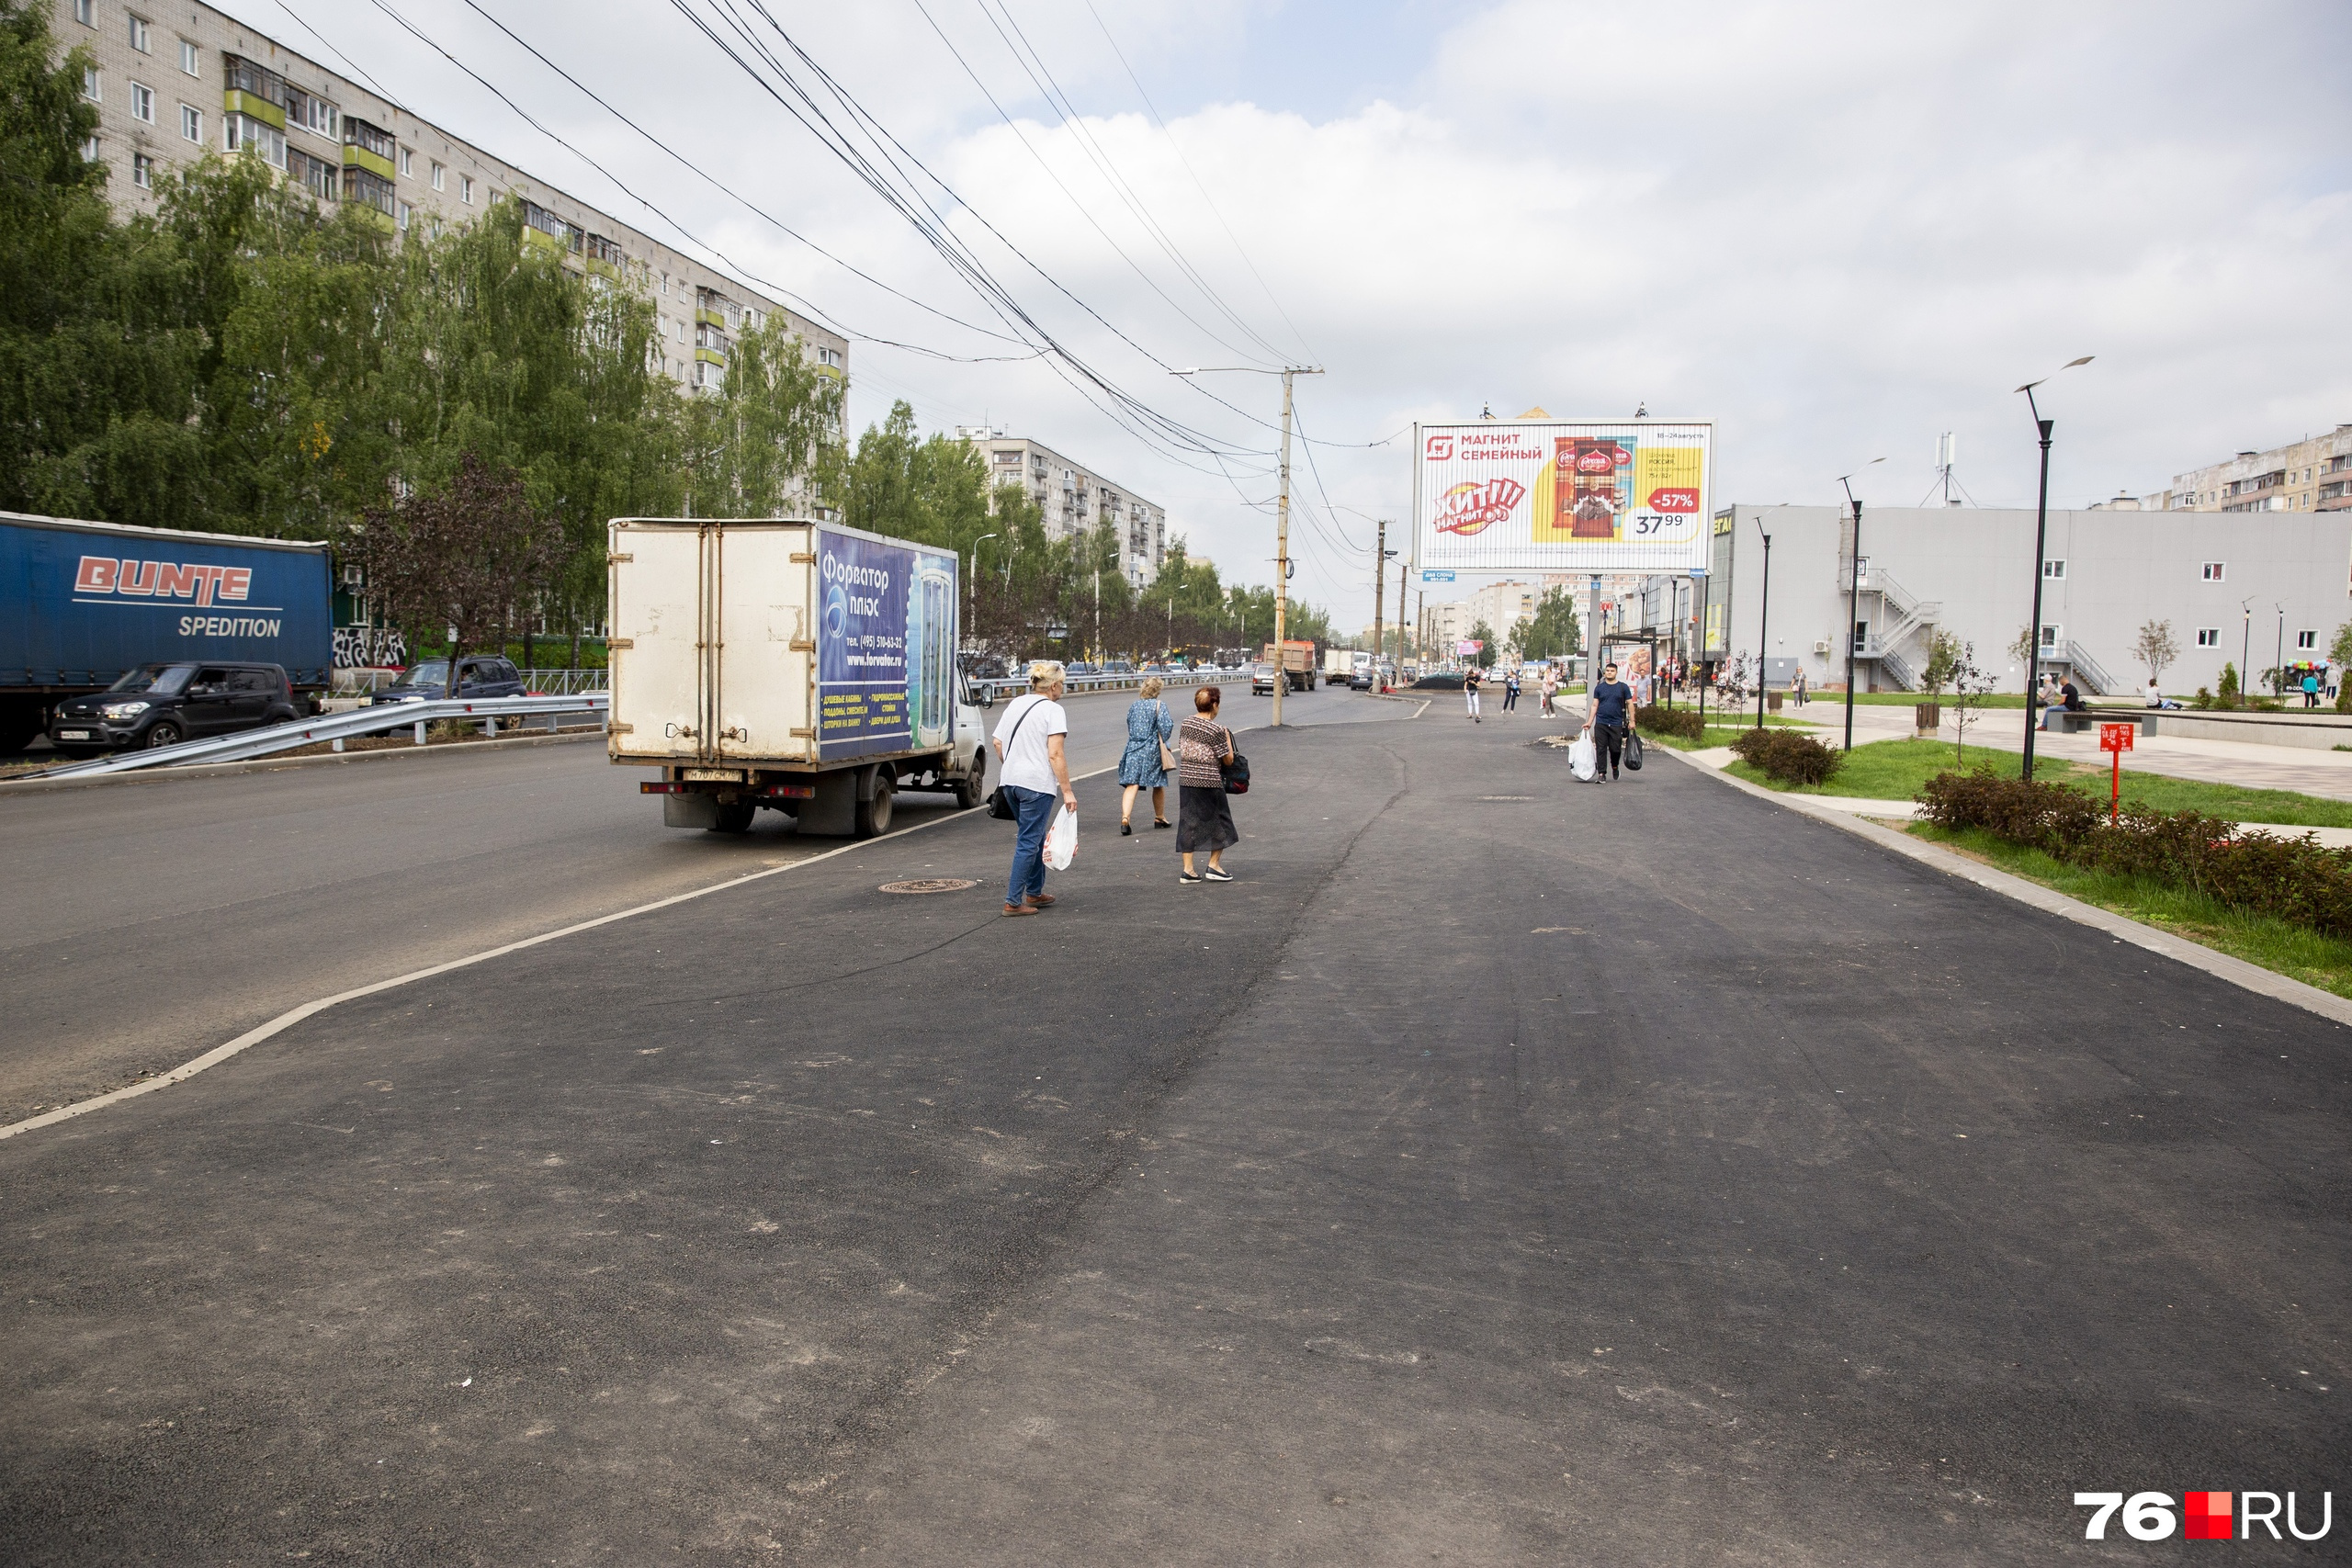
(1437, 577)
(2115, 740)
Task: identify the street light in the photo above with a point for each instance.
(1763, 621)
(2279, 658)
(1282, 516)
(2246, 639)
(971, 584)
(2040, 536)
(1853, 597)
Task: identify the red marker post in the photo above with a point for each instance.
(2115, 740)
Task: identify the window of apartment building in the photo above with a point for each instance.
(440, 172)
(406, 213)
(191, 62)
(82, 12)
(2307, 639)
(142, 171)
(408, 162)
(89, 148)
(142, 103)
(2054, 570)
(2213, 571)
(191, 123)
(139, 38)
(2051, 637)
(832, 356)
(2209, 637)
(466, 189)
(92, 88)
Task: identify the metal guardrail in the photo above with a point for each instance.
(567, 682)
(988, 691)
(250, 743)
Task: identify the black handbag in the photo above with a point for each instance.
(1236, 774)
(1001, 804)
(1632, 751)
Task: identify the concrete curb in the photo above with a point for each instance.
(266, 764)
(2221, 965)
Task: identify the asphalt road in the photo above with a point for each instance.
(156, 917)
(1499, 1172)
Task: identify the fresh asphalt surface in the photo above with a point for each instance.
(156, 917)
(1500, 1171)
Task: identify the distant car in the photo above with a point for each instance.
(1080, 668)
(1361, 681)
(983, 667)
(1262, 680)
(482, 675)
(1119, 667)
(163, 704)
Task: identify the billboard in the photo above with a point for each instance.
(1563, 495)
(885, 644)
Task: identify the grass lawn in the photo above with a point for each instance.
(1896, 770)
(2281, 807)
(1717, 736)
(2276, 945)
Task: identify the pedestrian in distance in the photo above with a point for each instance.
(1143, 764)
(1550, 689)
(1610, 717)
(1510, 691)
(1470, 692)
(1203, 814)
(2310, 688)
(1033, 768)
(1799, 687)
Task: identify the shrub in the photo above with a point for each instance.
(2298, 879)
(1787, 756)
(2204, 699)
(1683, 722)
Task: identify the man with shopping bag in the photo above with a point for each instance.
(1032, 769)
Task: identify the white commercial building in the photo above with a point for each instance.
(2252, 591)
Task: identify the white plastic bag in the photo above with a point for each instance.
(1061, 839)
(1583, 758)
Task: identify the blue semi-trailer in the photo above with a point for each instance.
(81, 602)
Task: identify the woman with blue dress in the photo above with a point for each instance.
(1143, 765)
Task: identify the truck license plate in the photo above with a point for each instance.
(73, 735)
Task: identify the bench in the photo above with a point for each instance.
(2065, 723)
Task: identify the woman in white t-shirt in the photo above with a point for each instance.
(1030, 746)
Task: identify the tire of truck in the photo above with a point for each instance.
(874, 810)
(972, 788)
(735, 816)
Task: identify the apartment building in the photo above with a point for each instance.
(2311, 475)
(1075, 499)
(172, 82)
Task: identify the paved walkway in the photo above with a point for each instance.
(2326, 773)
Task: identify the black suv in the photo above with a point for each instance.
(479, 675)
(163, 704)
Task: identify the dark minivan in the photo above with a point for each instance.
(163, 704)
(481, 675)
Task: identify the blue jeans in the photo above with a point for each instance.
(1036, 810)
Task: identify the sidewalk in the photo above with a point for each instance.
(1719, 756)
(2325, 774)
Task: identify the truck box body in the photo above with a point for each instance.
(81, 602)
(767, 645)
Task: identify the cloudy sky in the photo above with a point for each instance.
(1836, 230)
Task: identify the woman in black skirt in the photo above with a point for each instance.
(1204, 820)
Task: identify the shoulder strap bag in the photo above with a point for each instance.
(1001, 804)
(1234, 768)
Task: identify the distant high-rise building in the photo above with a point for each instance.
(2311, 475)
(1075, 499)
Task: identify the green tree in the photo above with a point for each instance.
(1484, 636)
(97, 355)
(1551, 632)
(1945, 654)
(769, 439)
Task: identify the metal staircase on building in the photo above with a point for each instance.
(1905, 612)
(1898, 671)
(2090, 669)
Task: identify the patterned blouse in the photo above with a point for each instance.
(1201, 746)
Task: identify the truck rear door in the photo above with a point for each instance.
(711, 647)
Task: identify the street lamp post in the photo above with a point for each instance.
(971, 584)
(1853, 597)
(2279, 658)
(2246, 652)
(1281, 519)
(1763, 621)
(2043, 427)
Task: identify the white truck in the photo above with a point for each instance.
(805, 667)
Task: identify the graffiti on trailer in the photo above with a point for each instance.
(369, 647)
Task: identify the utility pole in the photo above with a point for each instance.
(2043, 427)
(1402, 568)
(1854, 611)
(1379, 587)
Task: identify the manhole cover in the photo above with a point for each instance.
(931, 885)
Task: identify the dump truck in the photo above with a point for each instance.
(801, 666)
(1296, 658)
